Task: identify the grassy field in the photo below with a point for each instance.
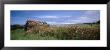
(69, 32)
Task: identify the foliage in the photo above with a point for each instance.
(16, 26)
(75, 32)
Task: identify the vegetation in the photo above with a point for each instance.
(67, 32)
(16, 26)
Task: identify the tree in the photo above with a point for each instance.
(98, 22)
(16, 26)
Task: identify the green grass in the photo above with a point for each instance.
(80, 32)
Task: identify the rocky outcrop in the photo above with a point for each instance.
(32, 25)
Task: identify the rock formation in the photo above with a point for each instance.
(34, 25)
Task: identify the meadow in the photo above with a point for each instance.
(63, 32)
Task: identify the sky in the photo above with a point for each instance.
(55, 16)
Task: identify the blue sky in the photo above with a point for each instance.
(55, 16)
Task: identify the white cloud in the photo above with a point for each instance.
(91, 12)
(85, 18)
(66, 16)
(54, 17)
(52, 22)
(67, 23)
(61, 22)
(76, 21)
(89, 16)
(48, 17)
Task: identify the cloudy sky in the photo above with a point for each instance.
(55, 16)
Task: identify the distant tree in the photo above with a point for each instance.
(98, 22)
(16, 26)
